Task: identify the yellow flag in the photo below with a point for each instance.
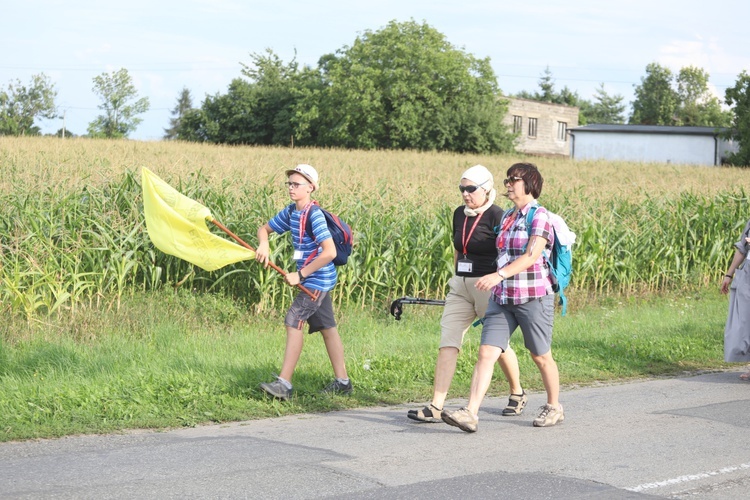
(177, 226)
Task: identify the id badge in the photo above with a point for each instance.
(464, 266)
(297, 255)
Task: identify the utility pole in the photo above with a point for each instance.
(63, 129)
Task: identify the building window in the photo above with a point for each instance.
(517, 123)
(532, 127)
(562, 131)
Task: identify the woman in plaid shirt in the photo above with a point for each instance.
(522, 296)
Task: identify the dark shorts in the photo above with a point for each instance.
(534, 317)
(318, 314)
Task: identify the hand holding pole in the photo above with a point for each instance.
(313, 295)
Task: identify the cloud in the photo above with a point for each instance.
(708, 53)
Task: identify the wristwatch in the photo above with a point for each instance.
(501, 274)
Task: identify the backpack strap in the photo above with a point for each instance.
(545, 252)
(529, 220)
(547, 256)
(308, 224)
(563, 302)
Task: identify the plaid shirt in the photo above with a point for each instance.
(534, 282)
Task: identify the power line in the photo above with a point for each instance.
(130, 68)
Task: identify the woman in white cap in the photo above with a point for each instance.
(316, 270)
(522, 297)
(475, 255)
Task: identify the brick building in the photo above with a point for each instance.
(542, 127)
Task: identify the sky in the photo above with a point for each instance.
(168, 45)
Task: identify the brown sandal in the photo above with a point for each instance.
(516, 404)
(429, 413)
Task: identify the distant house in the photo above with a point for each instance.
(542, 127)
(650, 143)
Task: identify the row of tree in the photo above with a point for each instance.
(404, 87)
(663, 98)
(21, 105)
(660, 99)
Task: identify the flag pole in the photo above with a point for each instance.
(313, 295)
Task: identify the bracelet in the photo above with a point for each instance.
(728, 276)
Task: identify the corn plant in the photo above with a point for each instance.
(72, 233)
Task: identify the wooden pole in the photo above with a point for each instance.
(313, 295)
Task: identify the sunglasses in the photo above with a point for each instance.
(295, 185)
(511, 180)
(469, 189)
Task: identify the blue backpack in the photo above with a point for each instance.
(341, 234)
(559, 260)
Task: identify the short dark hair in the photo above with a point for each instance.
(532, 178)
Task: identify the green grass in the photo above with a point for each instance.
(180, 359)
(94, 339)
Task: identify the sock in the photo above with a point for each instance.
(286, 383)
(344, 381)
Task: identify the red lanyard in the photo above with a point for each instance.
(303, 221)
(465, 239)
(505, 229)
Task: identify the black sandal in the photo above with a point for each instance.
(516, 404)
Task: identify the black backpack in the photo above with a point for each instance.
(340, 231)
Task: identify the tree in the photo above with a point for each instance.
(120, 104)
(565, 96)
(655, 100)
(62, 133)
(184, 104)
(697, 106)
(21, 106)
(405, 86)
(547, 87)
(401, 87)
(606, 108)
(277, 90)
(548, 93)
(225, 118)
(257, 109)
(193, 126)
(738, 97)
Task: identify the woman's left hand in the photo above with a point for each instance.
(488, 282)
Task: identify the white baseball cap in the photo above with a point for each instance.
(306, 171)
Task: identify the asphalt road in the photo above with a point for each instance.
(670, 438)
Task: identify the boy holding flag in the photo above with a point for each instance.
(313, 254)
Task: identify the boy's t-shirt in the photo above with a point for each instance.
(324, 279)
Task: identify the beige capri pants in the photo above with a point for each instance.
(463, 305)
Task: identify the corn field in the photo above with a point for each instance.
(72, 233)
